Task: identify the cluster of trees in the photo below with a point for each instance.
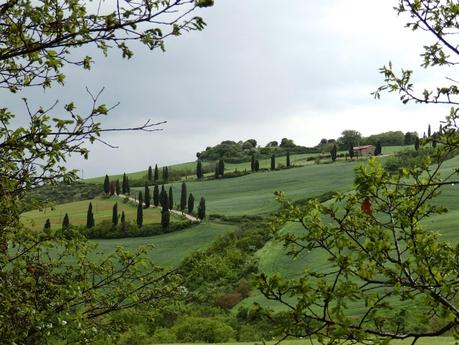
(242, 151)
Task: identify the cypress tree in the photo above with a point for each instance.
(162, 196)
(252, 163)
(165, 174)
(124, 184)
(156, 174)
(183, 196)
(166, 202)
(117, 187)
(257, 165)
(417, 144)
(190, 203)
(140, 200)
(202, 209)
(351, 150)
(165, 218)
(333, 153)
(378, 149)
(273, 162)
(216, 171)
(171, 199)
(147, 196)
(429, 133)
(123, 222)
(139, 219)
(66, 222)
(115, 214)
(221, 167)
(47, 224)
(150, 173)
(199, 172)
(434, 140)
(156, 195)
(106, 184)
(127, 185)
(288, 159)
(112, 188)
(90, 217)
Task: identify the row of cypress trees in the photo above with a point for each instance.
(153, 176)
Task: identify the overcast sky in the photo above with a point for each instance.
(262, 69)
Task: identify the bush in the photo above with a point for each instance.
(200, 329)
(106, 230)
(228, 300)
(164, 336)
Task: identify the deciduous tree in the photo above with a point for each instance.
(39, 40)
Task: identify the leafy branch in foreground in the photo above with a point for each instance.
(387, 276)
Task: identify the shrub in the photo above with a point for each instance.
(199, 329)
(228, 300)
(164, 336)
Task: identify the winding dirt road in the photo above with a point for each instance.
(186, 215)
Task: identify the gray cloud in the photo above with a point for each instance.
(303, 69)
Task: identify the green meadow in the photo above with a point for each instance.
(102, 209)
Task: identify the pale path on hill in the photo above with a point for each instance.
(186, 215)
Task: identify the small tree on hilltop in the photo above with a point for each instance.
(273, 162)
(147, 196)
(156, 174)
(351, 150)
(221, 167)
(156, 195)
(124, 184)
(183, 196)
(106, 184)
(190, 203)
(202, 209)
(117, 187)
(171, 198)
(115, 214)
(333, 152)
(90, 217)
(66, 222)
(150, 173)
(112, 188)
(417, 143)
(199, 172)
(378, 149)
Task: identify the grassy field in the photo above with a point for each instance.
(254, 193)
(170, 249)
(77, 211)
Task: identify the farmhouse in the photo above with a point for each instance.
(365, 150)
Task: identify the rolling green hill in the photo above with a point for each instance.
(254, 193)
